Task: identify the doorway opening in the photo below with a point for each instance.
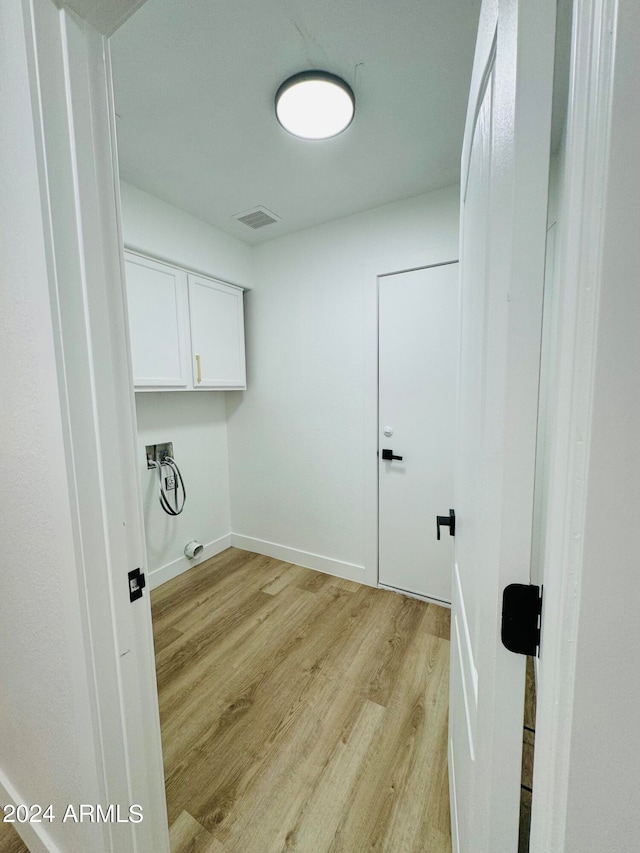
(289, 488)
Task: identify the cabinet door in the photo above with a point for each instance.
(217, 334)
(156, 297)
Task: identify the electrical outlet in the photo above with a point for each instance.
(169, 483)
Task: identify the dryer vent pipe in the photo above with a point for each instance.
(192, 549)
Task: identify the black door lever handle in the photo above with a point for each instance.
(388, 456)
(446, 521)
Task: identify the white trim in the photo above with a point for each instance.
(447, 253)
(34, 835)
(75, 137)
(337, 568)
(579, 246)
(166, 573)
(428, 598)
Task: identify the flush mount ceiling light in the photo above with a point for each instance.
(315, 105)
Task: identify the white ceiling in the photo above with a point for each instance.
(194, 88)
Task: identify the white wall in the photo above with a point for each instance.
(46, 736)
(296, 435)
(195, 422)
(170, 234)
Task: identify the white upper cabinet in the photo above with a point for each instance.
(158, 323)
(217, 334)
(187, 331)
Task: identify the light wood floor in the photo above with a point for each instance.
(528, 746)
(10, 841)
(300, 712)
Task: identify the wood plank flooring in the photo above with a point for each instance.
(528, 746)
(10, 841)
(300, 712)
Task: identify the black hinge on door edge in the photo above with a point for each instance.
(137, 583)
(521, 614)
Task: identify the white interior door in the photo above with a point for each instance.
(418, 367)
(504, 202)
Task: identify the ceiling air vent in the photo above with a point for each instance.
(257, 218)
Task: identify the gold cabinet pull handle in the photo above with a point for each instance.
(199, 368)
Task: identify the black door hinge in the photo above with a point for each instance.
(137, 583)
(521, 615)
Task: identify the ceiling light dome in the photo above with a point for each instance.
(315, 105)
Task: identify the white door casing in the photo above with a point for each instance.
(587, 746)
(503, 223)
(75, 139)
(417, 367)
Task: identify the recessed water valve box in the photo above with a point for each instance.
(158, 453)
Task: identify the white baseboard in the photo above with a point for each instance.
(428, 598)
(34, 835)
(348, 571)
(183, 564)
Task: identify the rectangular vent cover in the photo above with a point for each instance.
(257, 218)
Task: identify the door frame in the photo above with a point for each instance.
(446, 253)
(580, 243)
(73, 113)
